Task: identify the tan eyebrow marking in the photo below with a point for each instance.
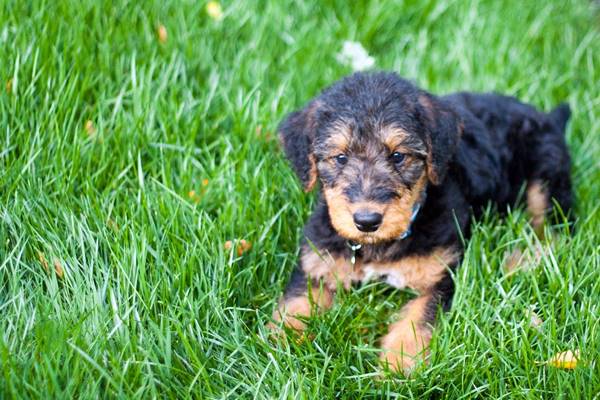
(339, 136)
(393, 137)
(397, 139)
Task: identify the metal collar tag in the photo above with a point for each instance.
(354, 247)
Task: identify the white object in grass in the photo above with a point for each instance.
(355, 55)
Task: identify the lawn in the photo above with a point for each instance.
(137, 138)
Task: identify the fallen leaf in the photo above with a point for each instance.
(304, 337)
(9, 86)
(534, 320)
(513, 260)
(43, 261)
(58, 269)
(265, 134)
(90, 128)
(112, 224)
(522, 260)
(161, 31)
(194, 196)
(214, 10)
(564, 360)
(242, 246)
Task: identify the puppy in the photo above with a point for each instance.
(401, 173)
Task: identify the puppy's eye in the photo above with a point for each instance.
(398, 158)
(341, 159)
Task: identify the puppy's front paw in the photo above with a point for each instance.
(399, 361)
(404, 347)
(289, 314)
(290, 310)
(276, 331)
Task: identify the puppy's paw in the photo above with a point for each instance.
(287, 317)
(292, 310)
(404, 347)
(282, 333)
(398, 361)
(276, 331)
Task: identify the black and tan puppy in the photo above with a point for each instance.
(401, 173)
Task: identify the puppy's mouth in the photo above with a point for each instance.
(368, 222)
(367, 238)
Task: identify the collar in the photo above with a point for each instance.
(413, 216)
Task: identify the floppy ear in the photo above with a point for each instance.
(297, 133)
(443, 128)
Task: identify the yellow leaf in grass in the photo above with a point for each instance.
(112, 224)
(564, 360)
(241, 247)
(90, 128)
(161, 31)
(194, 196)
(43, 261)
(534, 319)
(60, 272)
(214, 10)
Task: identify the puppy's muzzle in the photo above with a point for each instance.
(367, 221)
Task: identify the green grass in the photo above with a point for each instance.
(151, 304)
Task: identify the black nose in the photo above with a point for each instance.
(367, 221)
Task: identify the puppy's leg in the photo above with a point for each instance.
(548, 165)
(298, 301)
(548, 181)
(326, 272)
(408, 339)
(537, 205)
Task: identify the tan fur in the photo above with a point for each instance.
(527, 258)
(339, 138)
(512, 261)
(396, 215)
(408, 339)
(300, 306)
(426, 103)
(310, 127)
(537, 203)
(393, 138)
(429, 108)
(417, 272)
(322, 266)
(339, 212)
(430, 168)
(313, 175)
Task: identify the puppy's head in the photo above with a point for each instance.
(374, 141)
